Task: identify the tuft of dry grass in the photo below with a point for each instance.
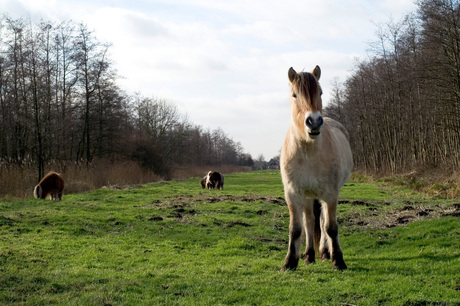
(435, 182)
(438, 182)
(18, 181)
(81, 178)
(448, 187)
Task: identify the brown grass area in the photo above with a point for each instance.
(437, 182)
(18, 181)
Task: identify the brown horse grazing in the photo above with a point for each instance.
(203, 182)
(51, 185)
(316, 161)
(215, 180)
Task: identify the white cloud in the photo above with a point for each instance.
(225, 63)
(271, 32)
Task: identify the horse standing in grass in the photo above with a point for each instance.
(316, 161)
(52, 185)
(214, 180)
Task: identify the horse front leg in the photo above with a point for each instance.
(309, 226)
(295, 233)
(332, 229)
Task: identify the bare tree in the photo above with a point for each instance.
(91, 65)
(59, 101)
(401, 106)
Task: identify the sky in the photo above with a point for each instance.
(224, 64)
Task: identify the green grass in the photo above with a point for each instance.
(174, 243)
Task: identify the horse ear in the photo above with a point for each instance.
(292, 74)
(317, 72)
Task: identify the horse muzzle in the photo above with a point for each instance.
(313, 123)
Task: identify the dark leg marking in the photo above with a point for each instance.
(337, 261)
(325, 254)
(292, 260)
(310, 256)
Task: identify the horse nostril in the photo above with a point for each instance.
(314, 123)
(320, 121)
(309, 122)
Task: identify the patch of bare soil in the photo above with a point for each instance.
(185, 200)
(239, 223)
(372, 218)
(410, 212)
(182, 204)
(122, 187)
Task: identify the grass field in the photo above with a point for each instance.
(174, 243)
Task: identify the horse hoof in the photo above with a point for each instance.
(325, 256)
(310, 257)
(289, 267)
(339, 266)
(309, 261)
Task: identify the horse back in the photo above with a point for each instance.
(52, 182)
(337, 127)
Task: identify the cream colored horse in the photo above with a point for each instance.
(316, 161)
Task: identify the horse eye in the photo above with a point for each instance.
(294, 95)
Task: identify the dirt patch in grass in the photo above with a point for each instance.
(371, 217)
(249, 198)
(410, 212)
(185, 200)
(239, 223)
(186, 206)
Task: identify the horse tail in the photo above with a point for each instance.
(317, 213)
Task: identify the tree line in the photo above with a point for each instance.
(59, 101)
(401, 106)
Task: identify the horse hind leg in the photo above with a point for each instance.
(332, 229)
(324, 241)
(312, 233)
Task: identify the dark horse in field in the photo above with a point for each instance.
(51, 186)
(212, 180)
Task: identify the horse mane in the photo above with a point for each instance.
(306, 84)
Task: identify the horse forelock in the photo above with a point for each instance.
(307, 90)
